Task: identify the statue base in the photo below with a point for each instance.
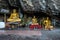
(32, 26)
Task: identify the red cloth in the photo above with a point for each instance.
(35, 26)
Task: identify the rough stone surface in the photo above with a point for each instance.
(39, 34)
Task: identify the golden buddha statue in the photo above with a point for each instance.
(14, 17)
(34, 21)
(47, 24)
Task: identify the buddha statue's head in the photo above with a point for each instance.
(14, 10)
(47, 18)
(34, 17)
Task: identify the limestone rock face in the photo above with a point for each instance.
(49, 6)
(46, 6)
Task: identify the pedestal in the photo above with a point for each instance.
(35, 26)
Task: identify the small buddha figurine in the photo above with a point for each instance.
(34, 21)
(14, 17)
(47, 24)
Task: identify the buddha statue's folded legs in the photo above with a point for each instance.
(9, 20)
(13, 20)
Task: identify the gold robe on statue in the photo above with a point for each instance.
(14, 17)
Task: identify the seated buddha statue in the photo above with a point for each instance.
(14, 17)
(34, 21)
(47, 24)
